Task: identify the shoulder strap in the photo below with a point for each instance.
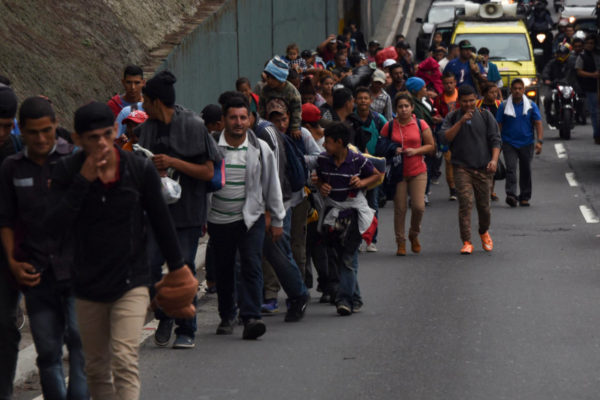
(16, 142)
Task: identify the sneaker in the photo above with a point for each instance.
(494, 197)
(356, 306)
(435, 181)
(183, 342)
(415, 246)
(453, 196)
(467, 248)
(253, 329)
(372, 248)
(511, 201)
(401, 249)
(524, 203)
(296, 309)
(162, 336)
(427, 202)
(270, 306)
(226, 327)
(486, 241)
(362, 248)
(343, 309)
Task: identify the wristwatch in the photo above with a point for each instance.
(540, 141)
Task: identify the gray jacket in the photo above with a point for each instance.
(263, 191)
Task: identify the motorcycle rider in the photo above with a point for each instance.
(540, 19)
(556, 70)
(576, 50)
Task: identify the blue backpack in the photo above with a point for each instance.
(297, 172)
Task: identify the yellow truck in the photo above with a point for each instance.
(507, 38)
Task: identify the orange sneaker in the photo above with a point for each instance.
(467, 248)
(486, 241)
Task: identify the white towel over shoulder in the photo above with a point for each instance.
(509, 108)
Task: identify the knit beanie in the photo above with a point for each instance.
(160, 86)
(8, 102)
(278, 69)
(414, 84)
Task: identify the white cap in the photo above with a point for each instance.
(378, 76)
(388, 62)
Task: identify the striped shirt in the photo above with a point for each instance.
(355, 164)
(227, 203)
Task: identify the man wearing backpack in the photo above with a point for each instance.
(237, 220)
(184, 149)
(280, 263)
(103, 198)
(37, 260)
(474, 142)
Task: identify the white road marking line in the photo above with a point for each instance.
(589, 215)
(394, 29)
(571, 179)
(409, 14)
(561, 152)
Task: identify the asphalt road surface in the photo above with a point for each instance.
(518, 323)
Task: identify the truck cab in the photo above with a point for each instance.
(496, 26)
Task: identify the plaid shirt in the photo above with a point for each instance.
(382, 104)
(298, 61)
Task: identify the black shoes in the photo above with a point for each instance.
(343, 309)
(226, 327)
(162, 336)
(253, 329)
(511, 201)
(296, 309)
(325, 298)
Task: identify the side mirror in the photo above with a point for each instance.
(419, 20)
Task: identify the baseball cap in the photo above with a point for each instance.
(136, 116)
(374, 43)
(276, 105)
(465, 44)
(389, 62)
(306, 54)
(379, 76)
(94, 115)
(310, 113)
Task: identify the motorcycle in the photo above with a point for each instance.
(562, 108)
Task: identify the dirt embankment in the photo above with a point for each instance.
(75, 51)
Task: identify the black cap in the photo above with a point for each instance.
(160, 86)
(8, 102)
(374, 43)
(465, 45)
(94, 115)
(306, 54)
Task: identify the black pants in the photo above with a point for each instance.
(518, 158)
(9, 334)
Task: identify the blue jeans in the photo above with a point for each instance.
(188, 241)
(344, 256)
(592, 105)
(51, 312)
(279, 255)
(9, 334)
(373, 200)
(226, 241)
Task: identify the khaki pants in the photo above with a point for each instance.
(469, 181)
(415, 187)
(110, 333)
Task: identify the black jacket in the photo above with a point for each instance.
(107, 225)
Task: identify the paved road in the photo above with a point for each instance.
(520, 322)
